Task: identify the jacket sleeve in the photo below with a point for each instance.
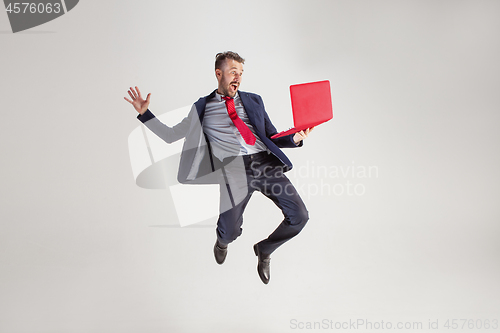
(282, 142)
(164, 132)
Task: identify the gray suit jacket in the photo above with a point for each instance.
(197, 163)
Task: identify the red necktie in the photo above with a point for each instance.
(245, 132)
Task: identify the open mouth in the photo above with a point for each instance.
(234, 86)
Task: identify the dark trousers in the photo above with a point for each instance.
(263, 172)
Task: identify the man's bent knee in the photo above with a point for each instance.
(300, 217)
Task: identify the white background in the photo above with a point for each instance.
(415, 87)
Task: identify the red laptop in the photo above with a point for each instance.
(311, 106)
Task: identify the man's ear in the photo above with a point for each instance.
(218, 73)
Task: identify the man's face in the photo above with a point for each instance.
(229, 77)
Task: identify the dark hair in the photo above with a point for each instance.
(222, 56)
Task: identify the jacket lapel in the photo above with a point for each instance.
(201, 104)
(252, 113)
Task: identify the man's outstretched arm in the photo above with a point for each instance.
(164, 132)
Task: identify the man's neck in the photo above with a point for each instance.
(222, 95)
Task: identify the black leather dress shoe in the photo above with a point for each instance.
(220, 252)
(264, 265)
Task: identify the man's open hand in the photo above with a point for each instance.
(137, 101)
(299, 136)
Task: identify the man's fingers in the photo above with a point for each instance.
(303, 134)
(128, 100)
(131, 96)
(138, 91)
(147, 98)
(133, 92)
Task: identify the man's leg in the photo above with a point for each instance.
(277, 187)
(270, 180)
(234, 196)
(230, 221)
